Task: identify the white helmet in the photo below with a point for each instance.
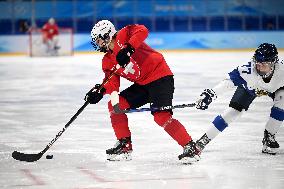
(105, 30)
(51, 21)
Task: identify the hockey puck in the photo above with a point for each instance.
(49, 156)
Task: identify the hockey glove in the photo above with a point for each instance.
(94, 97)
(123, 56)
(206, 97)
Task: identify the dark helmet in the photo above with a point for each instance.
(266, 53)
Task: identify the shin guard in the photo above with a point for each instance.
(173, 127)
(120, 121)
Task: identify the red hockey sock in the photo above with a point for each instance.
(173, 127)
(120, 121)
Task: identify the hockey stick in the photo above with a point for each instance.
(115, 104)
(34, 157)
(117, 110)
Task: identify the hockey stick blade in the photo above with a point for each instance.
(26, 157)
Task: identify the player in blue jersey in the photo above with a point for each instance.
(264, 75)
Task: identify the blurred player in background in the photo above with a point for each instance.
(135, 61)
(264, 75)
(50, 34)
(24, 26)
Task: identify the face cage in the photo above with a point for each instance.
(105, 38)
(265, 75)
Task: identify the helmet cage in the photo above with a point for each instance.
(265, 74)
(105, 38)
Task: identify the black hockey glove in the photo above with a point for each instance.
(123, 56)
(206, 97)
(94, 97)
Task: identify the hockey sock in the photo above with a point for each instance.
(212, 132)
(221, 122)
(173, 127)
(275, 120)
(120, 121)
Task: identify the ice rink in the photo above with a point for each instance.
(38, 96)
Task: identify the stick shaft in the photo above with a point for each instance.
(77, 113)
(34, 157)
(118, 110)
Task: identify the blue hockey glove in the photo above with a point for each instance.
(206, 97)
(123, 56)
(94, 97)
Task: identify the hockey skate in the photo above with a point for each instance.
(270, 145)
(190, 153)
(121, 151)
(202, 142)
(56, 48)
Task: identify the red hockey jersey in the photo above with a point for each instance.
(50, 30)
(146, 64)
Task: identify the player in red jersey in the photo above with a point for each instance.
(126, 51)
(50, 34)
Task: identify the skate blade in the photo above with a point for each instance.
(190, 160)
(119, 157)
(268, 150)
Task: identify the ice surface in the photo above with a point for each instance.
(38, 96)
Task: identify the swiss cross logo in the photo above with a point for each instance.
(129, 68)
(130, 72)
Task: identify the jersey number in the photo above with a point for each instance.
(247, 67)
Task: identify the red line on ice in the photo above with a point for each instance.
(36, 180)
(92, 174)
